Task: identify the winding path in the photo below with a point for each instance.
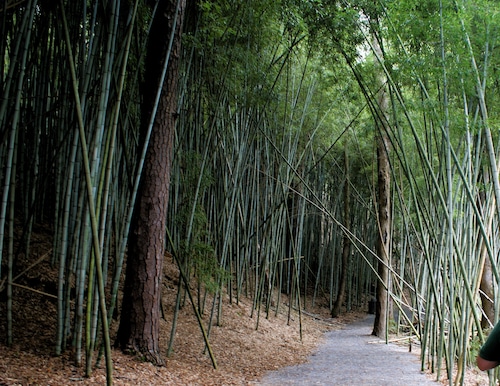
(350, 357)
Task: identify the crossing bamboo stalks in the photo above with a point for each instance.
(256, 206)
(95, 236)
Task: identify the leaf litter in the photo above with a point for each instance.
(244, 353)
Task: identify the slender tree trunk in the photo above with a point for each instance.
(384, 200)
(346, 243)
(140, 317)
(384, 235)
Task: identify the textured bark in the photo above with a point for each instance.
(140, 318)
(383, 240)
(384, 201)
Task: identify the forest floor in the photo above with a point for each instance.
(246, 344)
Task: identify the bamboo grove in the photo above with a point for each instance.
(274, 176)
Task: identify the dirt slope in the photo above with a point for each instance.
(243, 351)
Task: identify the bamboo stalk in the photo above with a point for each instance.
(96, 246)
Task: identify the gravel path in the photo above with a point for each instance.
(350, 357)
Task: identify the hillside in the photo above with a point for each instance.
(243, 353)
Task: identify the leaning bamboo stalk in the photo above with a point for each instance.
(114, 128)
(70, 176)
(452, 153)
(129, 200)
(198, 316)
(102, 193)
(95, 235)
(26, 24)
(140, 164)
(14, 60)
(449, 199)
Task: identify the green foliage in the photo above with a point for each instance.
(236, 40)
(333, 25)
(474, 346)
(191, 220)
(207, 268)
(393, 327)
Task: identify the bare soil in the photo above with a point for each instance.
(247, 344)
(243, 352)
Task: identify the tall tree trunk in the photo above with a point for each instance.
(384, 199)
(140, 317)
(346, 243)
(384, 235)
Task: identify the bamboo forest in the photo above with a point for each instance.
(284, 153)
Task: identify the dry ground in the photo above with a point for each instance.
(243, 352)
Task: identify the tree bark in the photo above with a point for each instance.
(140, 316)
(384, 200)
(384, 235)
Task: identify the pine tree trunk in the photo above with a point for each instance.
(140, 317)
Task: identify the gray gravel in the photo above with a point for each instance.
(350, 357)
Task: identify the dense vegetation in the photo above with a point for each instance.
(285, 110)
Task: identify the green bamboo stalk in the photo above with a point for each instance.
(102, 194)
(26, 32)
(61, 306)
(97, 252)
(198, 316)
(10, 250)
(123, 234)
(122, 244)
(450, 206)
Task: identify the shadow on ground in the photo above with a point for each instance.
(351, 357)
